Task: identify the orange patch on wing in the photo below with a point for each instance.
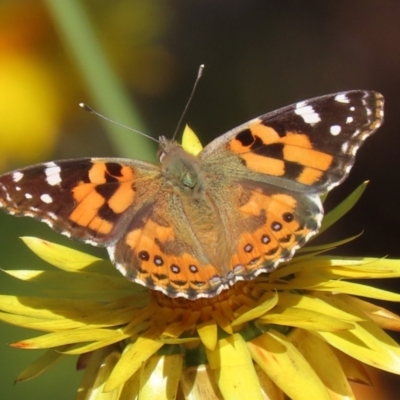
(81, 191)
(290, 201)
(309, 176)
(145, 237)
(242, 257)
(237, 147)
(257, 128)
(89, 203)
(267, 134)
(255, 203)
(100, 225)
(264, 165)
(296, 139)
(97, 174)
(204, 273)
(122, 198)
(307, 157)
(263, 246)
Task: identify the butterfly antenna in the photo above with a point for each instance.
(89, 109)
(199, 74)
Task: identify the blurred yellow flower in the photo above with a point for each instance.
(31, 110)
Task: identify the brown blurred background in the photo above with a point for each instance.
(259, 55)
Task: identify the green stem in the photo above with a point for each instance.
(109, 94)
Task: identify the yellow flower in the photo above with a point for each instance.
(298, 330)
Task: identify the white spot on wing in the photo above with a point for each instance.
(28, 196)
(300, 104)
(335, 130)
(307, 113)
(349, 120)
(17, 188)
(52, 172)
(48, 222)
(52, 215)
(17, 176)
(342, 98)
(46, 198)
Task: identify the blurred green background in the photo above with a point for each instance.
(136, 60)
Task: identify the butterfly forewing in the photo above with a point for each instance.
(86, 199)
(309, 146)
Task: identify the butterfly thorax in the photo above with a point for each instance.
(184, 176)
(180, 169)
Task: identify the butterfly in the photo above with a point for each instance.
(192, 226)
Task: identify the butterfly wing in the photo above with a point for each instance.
(308, 147)
(276, 166)
(167, 246)
(124, 205)
(85, 199)
(263, 225)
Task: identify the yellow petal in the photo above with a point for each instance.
(306, 319)
(324, 362)
(286, 366)
(18, 320)
(97, 391)
(222, 321)
(98, 319)
(358, 290)
(368, 343)
(45, 308)
(354, 370)
(268, 388)
(208, 332)
(381, 316)
(42, 364)
(66, 258)
(78, 281)
(160, 377)
(133, 357)
(190, 142)
(199, 383)
(92, 347)
(56, 339)
(131, 387)
(269, 302)
(234, 370)
(87, 390)
(315, 302)
(329, 267)
(316, 250)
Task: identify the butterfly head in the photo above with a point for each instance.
(181, 169)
